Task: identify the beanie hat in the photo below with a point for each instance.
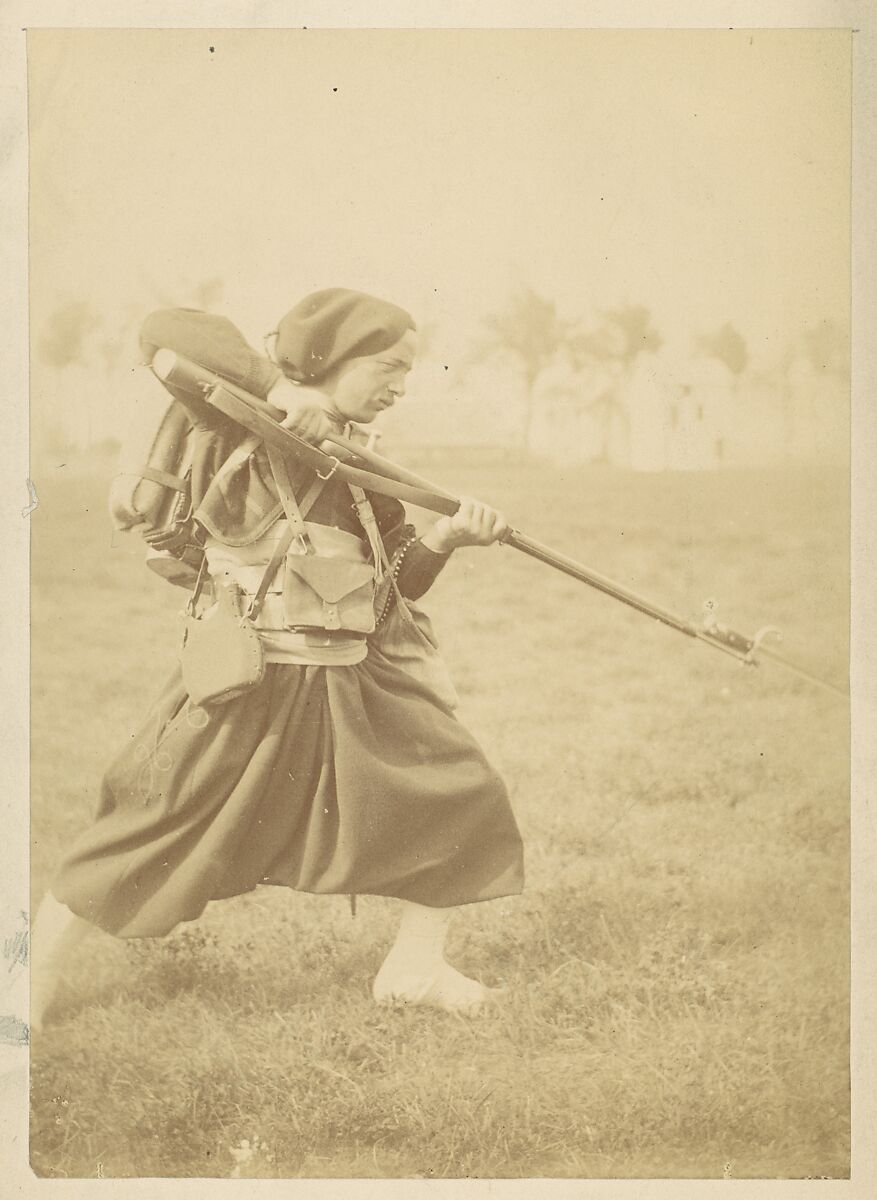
(331, 326)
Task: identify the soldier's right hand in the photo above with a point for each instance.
(305, 416)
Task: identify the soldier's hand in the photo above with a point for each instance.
(305, 416)
(473, 524)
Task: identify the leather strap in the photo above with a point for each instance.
(289, 536)
(367, 519)
(295, 513)
(199, 585)
(239, 455)
(287, 497)
(175, 482)
(232, 404)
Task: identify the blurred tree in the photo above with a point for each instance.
(727, 345)
(115, 349)
(79, 344)
(613, 347)
(530, 330)
(64, 335)
(623, 334)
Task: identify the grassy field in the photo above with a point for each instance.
(678, 965)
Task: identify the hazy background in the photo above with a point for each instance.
(622, 245)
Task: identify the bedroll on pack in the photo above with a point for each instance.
(150, 495)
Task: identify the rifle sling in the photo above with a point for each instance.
(325, 465)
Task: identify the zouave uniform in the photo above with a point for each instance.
(345, 771)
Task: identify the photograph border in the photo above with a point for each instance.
(17, 499)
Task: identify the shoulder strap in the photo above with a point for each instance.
(287, 497)
(296, 528)
(239, 455)
(369, 523)
(367, 518)
(199, 586)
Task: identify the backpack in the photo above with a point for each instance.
(151, 494)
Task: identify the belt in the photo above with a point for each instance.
(313, 635)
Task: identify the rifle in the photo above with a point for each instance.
(359, 465)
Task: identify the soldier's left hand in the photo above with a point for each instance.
(473, 524)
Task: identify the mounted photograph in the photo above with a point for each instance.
(440, 603)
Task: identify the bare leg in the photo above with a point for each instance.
(415, 970)
(55, 933)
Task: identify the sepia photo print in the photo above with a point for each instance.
(440, 603)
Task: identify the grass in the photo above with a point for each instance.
(678, 967)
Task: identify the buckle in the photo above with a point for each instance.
(333, 470)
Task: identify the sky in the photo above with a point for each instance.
(703, 173)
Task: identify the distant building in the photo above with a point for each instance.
(679, 413)
(578, 414)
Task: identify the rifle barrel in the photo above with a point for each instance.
(545, 554)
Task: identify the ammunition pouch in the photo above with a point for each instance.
(328, 593)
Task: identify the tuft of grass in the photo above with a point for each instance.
(677, 968)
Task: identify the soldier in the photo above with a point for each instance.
(341, 772)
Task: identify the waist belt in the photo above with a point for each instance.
(315, 636)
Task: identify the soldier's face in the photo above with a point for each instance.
(366, 386)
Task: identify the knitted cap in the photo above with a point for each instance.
(328, 327)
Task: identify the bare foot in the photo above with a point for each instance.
(439, 986)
